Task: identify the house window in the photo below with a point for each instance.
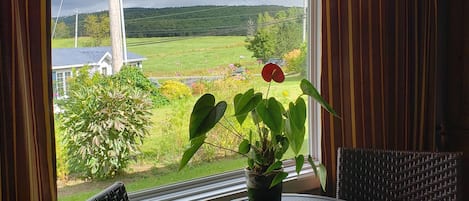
(60, 83)
(104, 70)
(211, 54)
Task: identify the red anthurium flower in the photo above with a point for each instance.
(272, 72)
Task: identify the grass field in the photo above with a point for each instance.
(183, 56)
(162, 149)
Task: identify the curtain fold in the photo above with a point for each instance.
(27, 144)
(379, 60)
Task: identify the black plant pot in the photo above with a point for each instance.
(258, 186)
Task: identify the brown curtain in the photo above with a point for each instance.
(379, 62)
(27, 145)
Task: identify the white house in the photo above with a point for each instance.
(99, 59)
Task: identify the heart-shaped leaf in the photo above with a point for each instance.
(270, 113)
(205, 115)
(310, 90)
(320, 171)
(245, 103)
(196, 143)
(244, 147)
(277, 165)
(295, 124)
(278, 178)
(299, 160)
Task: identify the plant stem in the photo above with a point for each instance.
(233, 129)
(268, 90)
(220, 147)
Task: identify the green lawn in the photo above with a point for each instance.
(183, 56)
(203, 55)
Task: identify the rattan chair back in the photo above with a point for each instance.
(368, 174)
(115, 192)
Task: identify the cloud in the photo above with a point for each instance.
(69, 7)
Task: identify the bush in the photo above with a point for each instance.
(133, 76)
(198, 88)
(172, 90)
(103, 123)
(296, 61)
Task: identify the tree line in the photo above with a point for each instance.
(183, 21)
(271, 31)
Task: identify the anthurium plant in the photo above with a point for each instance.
(277, 129)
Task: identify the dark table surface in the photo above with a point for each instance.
(299, 197)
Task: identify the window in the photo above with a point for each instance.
(207, 58)
(104, 70)
(60, 83)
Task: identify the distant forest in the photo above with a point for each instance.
(185, 21)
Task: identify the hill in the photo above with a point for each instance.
(186, 21)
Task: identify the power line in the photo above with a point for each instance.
(206, 18)
(182, 30)
(176, 14)
(209, 33)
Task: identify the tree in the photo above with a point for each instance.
(262, 45)
(97, 27)
(276, 36)
(61, 30)
(103, 123)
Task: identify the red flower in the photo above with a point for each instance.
(272, 72)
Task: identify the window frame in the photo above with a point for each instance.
(234, 181)
(230, 185)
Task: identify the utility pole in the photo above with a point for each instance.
(305, 14)
(76, 28)
(116, 35)
(124, 40)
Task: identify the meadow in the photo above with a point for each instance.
(162, 148)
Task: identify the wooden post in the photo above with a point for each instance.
(116, 35)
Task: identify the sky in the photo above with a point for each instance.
(69, 7)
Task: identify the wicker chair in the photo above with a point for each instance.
(115, 192)
(367, 174)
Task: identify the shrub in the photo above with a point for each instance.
(296, 61)
(133, 76)
(198, 88)
(103, 123)
(172, 90)
(61, 156)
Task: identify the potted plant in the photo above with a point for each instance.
(276, 130)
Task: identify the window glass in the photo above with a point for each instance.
(217, 48)
(60, 84)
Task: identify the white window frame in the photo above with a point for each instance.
(315, 54)
(230, 185)
(62, 83)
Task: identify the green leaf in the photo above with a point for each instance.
(270, 112)
(277, 165)
(278, 178)
(310, 90)
(320, 171)
(284, 144)
(245, 103)
(244, 147)
(300, 159)
(295, 124)
(205, 115)
(250, 163)
(196, 143)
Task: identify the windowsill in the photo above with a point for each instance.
(225, 186)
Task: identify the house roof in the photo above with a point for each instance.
(84, 55)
